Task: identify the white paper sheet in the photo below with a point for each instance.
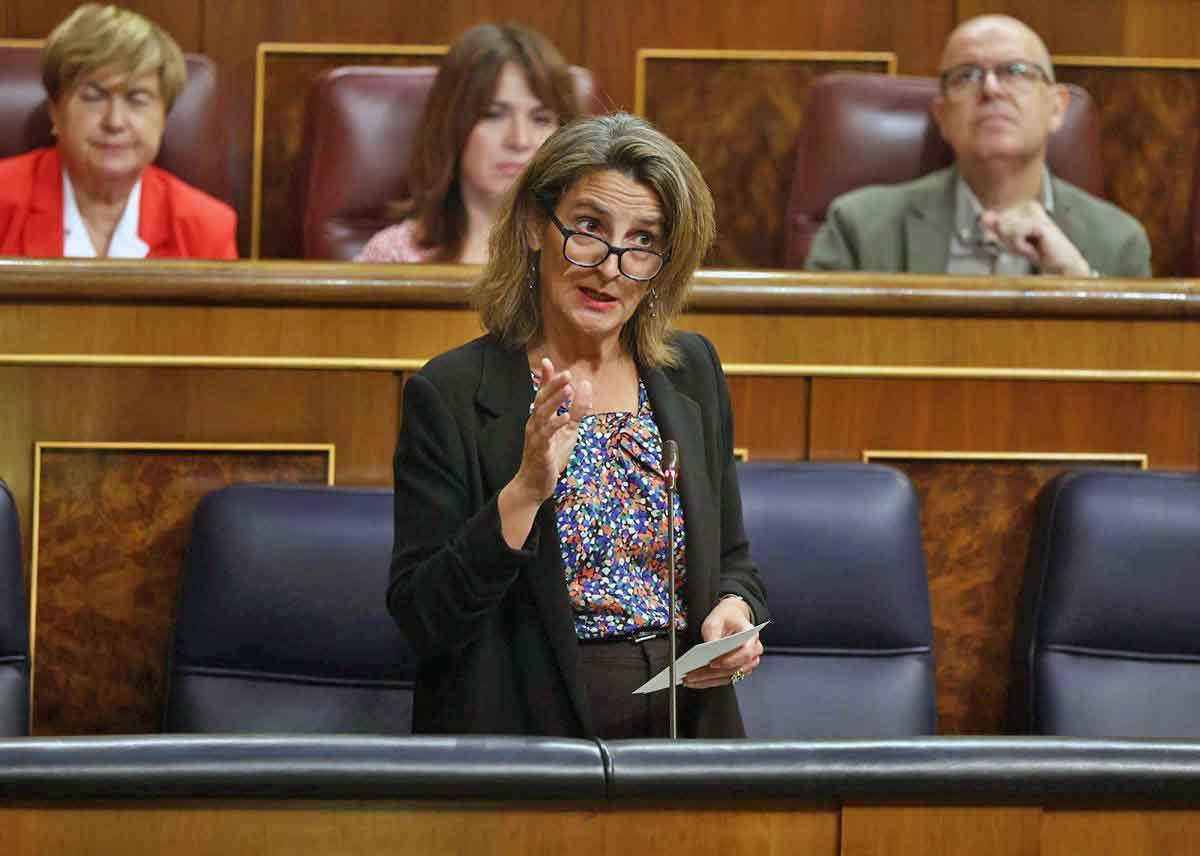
(697, 656)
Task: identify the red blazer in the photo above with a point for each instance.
(176, 220)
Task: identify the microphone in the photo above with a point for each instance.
(670, 462)
(670, 468)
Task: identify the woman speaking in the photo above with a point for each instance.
(529, 567)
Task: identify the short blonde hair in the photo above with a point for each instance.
(95, 37)
(510, 310)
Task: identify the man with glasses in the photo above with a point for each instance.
(998, 210)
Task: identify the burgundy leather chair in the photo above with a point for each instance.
(862, 129)
(358, 131)
(194, 145)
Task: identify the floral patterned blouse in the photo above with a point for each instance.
(612, 526)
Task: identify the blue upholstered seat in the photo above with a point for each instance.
(282, 623)
(14, 624)
(849, 652)
(1107, 641)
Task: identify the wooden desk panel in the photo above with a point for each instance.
(259, 827)
(433, 828)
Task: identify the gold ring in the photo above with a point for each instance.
(737, 676)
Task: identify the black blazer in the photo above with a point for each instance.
(493, 626)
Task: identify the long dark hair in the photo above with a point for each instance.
(462, 92)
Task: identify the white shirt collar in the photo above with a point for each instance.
(125, 244)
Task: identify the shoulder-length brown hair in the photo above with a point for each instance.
(461, 93)
(511, 310)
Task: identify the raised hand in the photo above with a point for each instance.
(550, 438)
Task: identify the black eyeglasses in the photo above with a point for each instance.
(589, 251)
(1017, 76)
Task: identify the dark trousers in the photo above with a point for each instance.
(612, 670)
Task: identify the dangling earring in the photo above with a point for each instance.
(531, 279)
(653, 304)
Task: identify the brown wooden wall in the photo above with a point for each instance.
(606, 37)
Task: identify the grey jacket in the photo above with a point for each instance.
(905, 228)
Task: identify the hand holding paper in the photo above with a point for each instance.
(697, 656)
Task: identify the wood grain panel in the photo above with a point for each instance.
(615, 31)
(1001, 343)
(440, 827)
(738, 117)
(113, 527)
(183, 19)
(286, 81)
(1117, 832)
(1122, 28)
(256, 827)
(355, 411)
(771, 417)
(1162, 420)
(976, 515)
(1149, 132)
(941, 830)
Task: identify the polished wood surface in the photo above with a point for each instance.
(258, 827)
(183, 19)
(1126, 28)
(914, 31)
(941, 831)
(736, 292)
(820, 368)
(770, 421)
(1110, 831)
(1148, 138)
(255, 827)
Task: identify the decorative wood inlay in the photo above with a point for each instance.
(111, 525)
(737, 113)
(1149, 122)
(284, 73)
(976, 516)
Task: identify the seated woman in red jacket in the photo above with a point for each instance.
(111, 77)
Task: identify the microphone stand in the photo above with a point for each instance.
(670, 461)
